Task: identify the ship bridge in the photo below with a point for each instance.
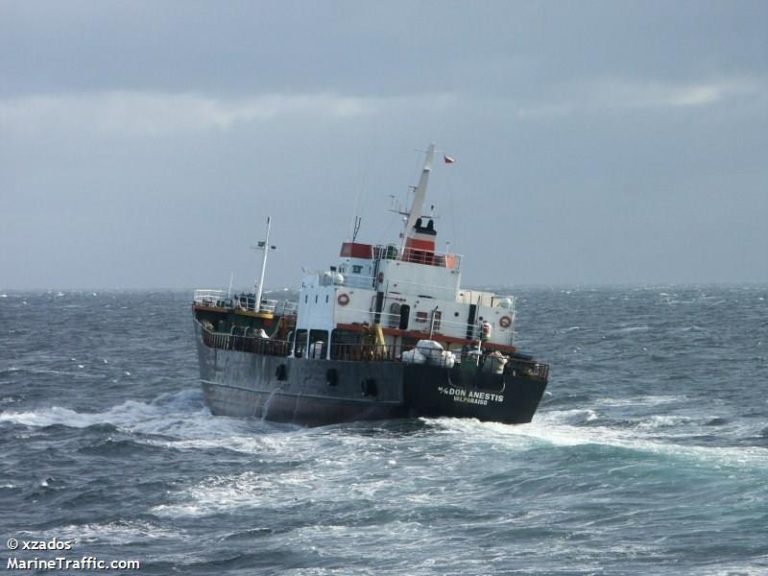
(413, 272)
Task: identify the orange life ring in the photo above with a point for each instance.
(343, 299)
(505, 321)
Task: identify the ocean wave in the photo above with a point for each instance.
(558, 429)
(630, 329)
(753, 567)
(130, 416)
(649, 400)
(663, 421)
(114, 533)
(231, 492)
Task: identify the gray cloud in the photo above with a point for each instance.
(143, 144)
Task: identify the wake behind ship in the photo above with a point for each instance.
(386, 332)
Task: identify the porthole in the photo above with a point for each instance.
(369, 388)
(332, 377)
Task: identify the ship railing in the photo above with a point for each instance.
(361, 352)
(279, 307)
(247, 302)
(528, 368)
(440, 259)
(352, 352)
(243, 301)
(426, 322)
(214, 298)
(377, 352)
(241, 343)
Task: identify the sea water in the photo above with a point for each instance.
(648, 455)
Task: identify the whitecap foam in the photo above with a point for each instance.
(219, 435)
(572, 416)
(127, 532)
(131, 416)
(630, 329)
(750, 568)
(553, 428)
(324, 480)
(177, 421)
(644, 401)
(663, 421)
(349, 466)
(229, 492)
(569, 329)
(48, 417)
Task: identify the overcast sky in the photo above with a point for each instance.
(142, 144)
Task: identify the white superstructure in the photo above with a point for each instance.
(401, 294)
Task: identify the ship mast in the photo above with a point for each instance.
(420, 193)
(263, 245)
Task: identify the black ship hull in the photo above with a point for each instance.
(316, 392)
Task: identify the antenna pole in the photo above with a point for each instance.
(358, 221)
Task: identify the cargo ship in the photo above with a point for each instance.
(384, 332)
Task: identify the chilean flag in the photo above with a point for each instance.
(448, 160)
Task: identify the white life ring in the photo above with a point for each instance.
(343, 299)
(505, 321)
